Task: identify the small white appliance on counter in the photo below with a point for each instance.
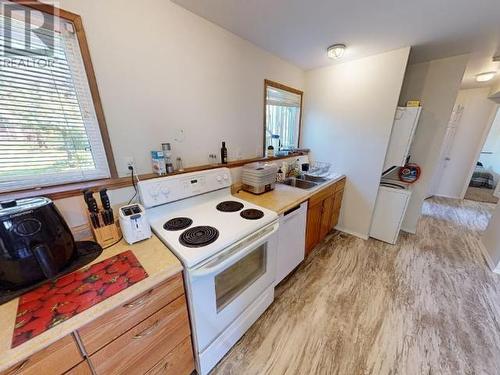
(403, 130)
(390, 209)
(228, 248)
(134, 223)
(258, 178)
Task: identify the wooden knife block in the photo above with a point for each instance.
(106, 235)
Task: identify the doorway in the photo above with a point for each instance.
(484, 183)
(468, 130)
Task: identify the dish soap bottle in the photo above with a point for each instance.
(223, 153)
(270, 151)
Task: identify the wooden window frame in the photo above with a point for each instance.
(76, 20)
(277, 85)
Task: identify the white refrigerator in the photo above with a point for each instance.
(403, 130)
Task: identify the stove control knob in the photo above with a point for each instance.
(226, 177)
(155, 192)
(219, 178)
(165, 191)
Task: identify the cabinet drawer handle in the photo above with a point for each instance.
(147, 331)
(138, 302)
(19, 368)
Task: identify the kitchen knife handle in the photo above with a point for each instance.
(94, 218)
(105, 199)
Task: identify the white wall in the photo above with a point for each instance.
(472, 129)
(161, 69)
(491, 157)
(349, 112)
(435, 84)
(491, 240)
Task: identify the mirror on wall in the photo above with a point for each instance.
(282, 117)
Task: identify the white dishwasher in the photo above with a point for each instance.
(291, 240)
(390, 209)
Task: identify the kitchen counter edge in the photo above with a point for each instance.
(294, 196)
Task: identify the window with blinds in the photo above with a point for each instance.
(49, 132)
(282, 118)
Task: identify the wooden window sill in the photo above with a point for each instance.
(75, 189)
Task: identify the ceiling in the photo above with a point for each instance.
(299, 31)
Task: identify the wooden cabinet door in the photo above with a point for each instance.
(337, 204)
(313, 226)
(58, 357)
(326, 217)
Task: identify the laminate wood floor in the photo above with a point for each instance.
(429, 305)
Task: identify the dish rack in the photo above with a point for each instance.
(319, 169)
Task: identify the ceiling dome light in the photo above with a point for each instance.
(485, 77)
(336, 51)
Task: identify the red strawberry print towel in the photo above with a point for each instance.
(59, 300)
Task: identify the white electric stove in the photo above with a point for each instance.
(228, 248)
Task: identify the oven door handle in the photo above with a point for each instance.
(220, 264)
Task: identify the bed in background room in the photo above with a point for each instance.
(482, 178)
(482, 185)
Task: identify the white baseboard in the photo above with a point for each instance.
(446, 196)
(494, 267)
(409, 230)
(352, 233)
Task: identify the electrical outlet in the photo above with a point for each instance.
(129, 162)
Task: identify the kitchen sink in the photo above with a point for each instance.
(314, 178)
(298, 183)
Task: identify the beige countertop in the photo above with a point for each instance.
(157, 260)
(284, 197)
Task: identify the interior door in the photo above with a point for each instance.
(444, 158)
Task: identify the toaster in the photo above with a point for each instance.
(134, 223)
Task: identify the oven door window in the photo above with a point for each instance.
(231, 282)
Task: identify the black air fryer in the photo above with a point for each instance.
(36, 245)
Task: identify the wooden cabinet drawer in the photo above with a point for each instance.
(142, 347)
(108, 327)
(54, 359)
(179, 361)
(82, 369)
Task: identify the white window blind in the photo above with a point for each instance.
(49, 133)
(282, 118)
